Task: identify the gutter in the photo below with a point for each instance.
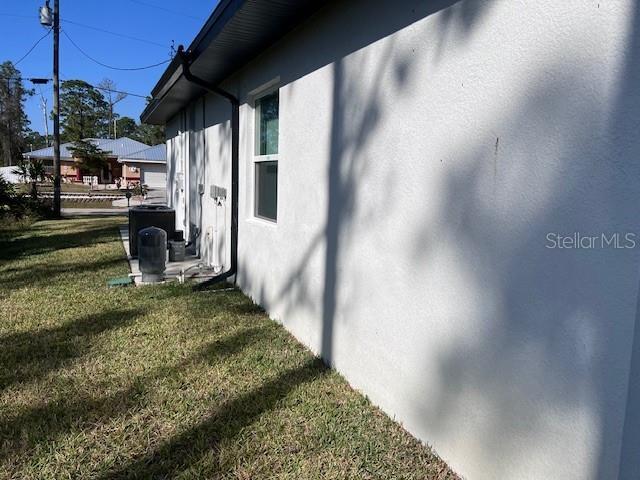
(185, 59)
(221, 15)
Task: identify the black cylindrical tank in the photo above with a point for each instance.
(152, 253)
(144, 216)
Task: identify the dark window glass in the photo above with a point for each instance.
(267, 119)
(267, 190)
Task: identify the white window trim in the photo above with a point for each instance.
(255, 95)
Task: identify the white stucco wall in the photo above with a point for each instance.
(425, 154)
(177, 155)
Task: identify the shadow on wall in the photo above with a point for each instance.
(553, 325)
(556, 325)
(544, 344)
(626, 125)
(356, 113)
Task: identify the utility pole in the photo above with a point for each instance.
(56, 109)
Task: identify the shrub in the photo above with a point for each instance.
(140, 190)
(17, 206)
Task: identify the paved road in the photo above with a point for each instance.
(156, 197)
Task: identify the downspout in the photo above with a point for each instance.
(235, 167)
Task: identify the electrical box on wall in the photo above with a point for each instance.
(200, 189)
(218, 192)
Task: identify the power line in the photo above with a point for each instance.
(66, 79)
(118, 91)
(97, 29)
(173, 12)
(91, 27)
(69, 79)
(32, 48)
(110, 66)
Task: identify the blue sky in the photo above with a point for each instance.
(156, 21)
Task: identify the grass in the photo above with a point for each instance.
(93, 203)
(162, 382)
(48, 187)
(66, 187)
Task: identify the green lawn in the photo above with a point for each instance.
(161, 382)
(48, 187)
(93, 203)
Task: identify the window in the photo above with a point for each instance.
(267, 190)
(267, 124)
(266, 159)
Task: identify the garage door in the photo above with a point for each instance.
(154, 179)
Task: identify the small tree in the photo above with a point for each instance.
(112, 96)
(31, 171)
(36, 173)
(7, 193)
(22, 170)
(88, 156)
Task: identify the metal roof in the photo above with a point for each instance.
(118, 147)
(47, 152)
(121, 147)
(155, 154)
(235, 33)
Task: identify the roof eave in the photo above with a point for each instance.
(246, 27)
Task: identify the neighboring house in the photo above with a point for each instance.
(151, 165)
(116, 148)
(404, 171)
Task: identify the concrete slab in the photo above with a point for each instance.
(192, 268)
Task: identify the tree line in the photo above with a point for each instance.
(85, 112)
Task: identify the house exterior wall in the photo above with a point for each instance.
(425, 156)
(131, 172)
(177, 141)
(68, 169)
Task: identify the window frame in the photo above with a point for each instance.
(257, 95)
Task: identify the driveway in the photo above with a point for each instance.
(156, 197)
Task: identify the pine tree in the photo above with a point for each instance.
(88, 156)
(14, 123)
(84, 113)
